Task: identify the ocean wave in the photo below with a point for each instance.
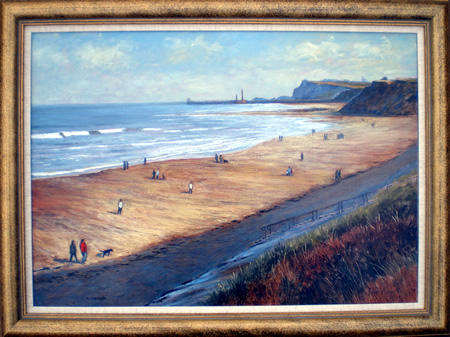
(197, 129)
(53, 135)
(112, 130)
(87, 147)
(144, 144)
(74, 133)
(62, 134)
(72, 172)
(65, 134)
(78, 156)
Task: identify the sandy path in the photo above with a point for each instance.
(142, 278)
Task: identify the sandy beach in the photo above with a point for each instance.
(156, 211)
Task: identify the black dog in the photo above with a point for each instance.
(225, 161)
(106, 252)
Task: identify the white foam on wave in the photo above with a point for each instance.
(111, 130)
(75, 133)
(62, 134)
(53, 135)
(197, 129)
(87, 147)
(71, 172)
(143, 144)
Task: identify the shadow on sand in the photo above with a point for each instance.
(65, 261)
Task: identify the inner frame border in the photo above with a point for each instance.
(424, 112)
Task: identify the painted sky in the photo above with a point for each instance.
(123, 67)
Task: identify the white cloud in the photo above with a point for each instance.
(49, 56)
(183, 49)
(104, 56)
(374, 51)
(313, 52)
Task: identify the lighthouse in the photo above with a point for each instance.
(242, 101)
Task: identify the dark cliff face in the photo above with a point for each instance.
(385, 98)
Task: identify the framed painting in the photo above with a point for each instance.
(224, 168)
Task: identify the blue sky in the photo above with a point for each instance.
(122, 67)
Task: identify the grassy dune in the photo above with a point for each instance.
(369, 256)
(84, 206)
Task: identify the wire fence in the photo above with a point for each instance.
(328, 211)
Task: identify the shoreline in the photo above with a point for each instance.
(84, 206)
(313, 113)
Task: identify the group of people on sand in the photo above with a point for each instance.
(73, 251)
(220, 159)
(156, 174)
(338, 176)
(289, 172)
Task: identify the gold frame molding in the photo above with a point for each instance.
(432, 14)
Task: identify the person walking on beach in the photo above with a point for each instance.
(120, 206)
(145, 161)
(83, 249)
(221, 159)
(153, 174)
(73, 251)
(190, 187)
(217, 158)
(301, 157)
(157, 174)
(124, 165)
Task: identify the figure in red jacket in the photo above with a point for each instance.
(83, 249)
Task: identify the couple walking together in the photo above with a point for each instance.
(73, 251)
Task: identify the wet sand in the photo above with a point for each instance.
(161, 211)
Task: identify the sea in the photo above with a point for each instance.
(76, 139)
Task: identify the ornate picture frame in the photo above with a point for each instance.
(431, 15)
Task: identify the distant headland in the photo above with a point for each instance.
(383, 97)
(309, 91)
